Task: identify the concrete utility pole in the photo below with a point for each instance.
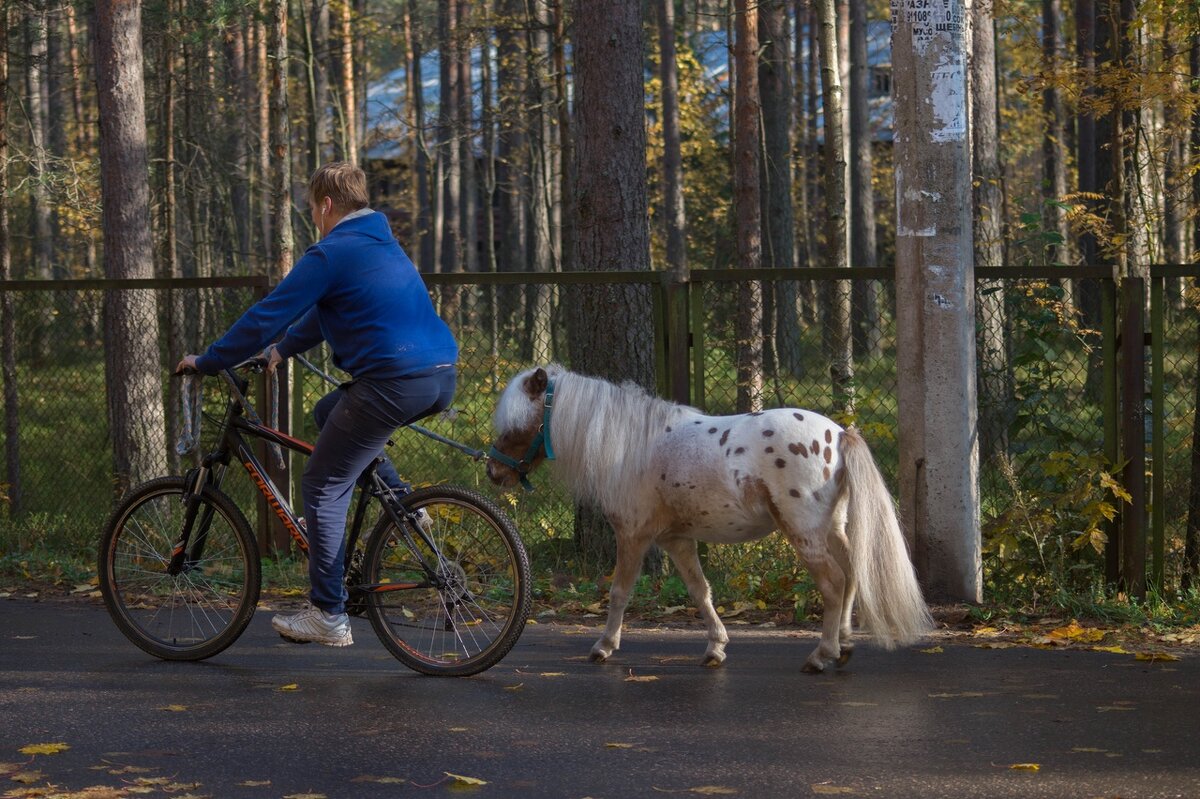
(939, 456)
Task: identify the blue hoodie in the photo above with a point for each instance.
(356, 289)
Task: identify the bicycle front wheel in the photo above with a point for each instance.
(470, 616)
(202, 609)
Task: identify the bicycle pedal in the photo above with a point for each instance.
(291, 640)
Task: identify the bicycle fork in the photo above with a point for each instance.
(181, 561)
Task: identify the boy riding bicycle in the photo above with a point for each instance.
(357, 290)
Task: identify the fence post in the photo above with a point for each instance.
(677, 339)
(1133, 434)
(1158, 460)
(1110, 385)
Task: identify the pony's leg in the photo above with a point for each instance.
(839, 548)
(629, 563)
(830, 580)
(687, 561)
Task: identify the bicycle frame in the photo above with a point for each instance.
(236, 432)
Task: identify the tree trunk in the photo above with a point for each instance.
(239, 146)
(347, 116)
(83, 126)
(611, 333)
(939, 492)
(450, 154)
(541, 237)
(841, 366)
(747, 209)
(995, 379)
(1191, 548)
(775, 88)
(133, 369)
(867, 294)
(1054, 146)
(41, 230)
(280, 147)
(14, 490)
(266, 181)
(423, 244)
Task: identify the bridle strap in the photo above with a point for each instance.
(540, 441)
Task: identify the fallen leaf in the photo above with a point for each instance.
(516, 687)
(380, 780)
(1026, 766)
(712, 790)
(1107, 708)
(995, 645)
(618, 746)
(43, 749)
(305, 796)
(256, 783)
(956, 696)
(1153, 656)
(1116, 650)
(647, 678)
(459, 779)
(1086, 749)
(825, 788)
(174, 708)
(289, 687)
(458, 729)
(936, 650)
(26, 777)
(1075, 632)
(553, 674)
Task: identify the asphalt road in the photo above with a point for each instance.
(271, 719)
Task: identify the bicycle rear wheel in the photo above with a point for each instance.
(201, 610)
(472, 621)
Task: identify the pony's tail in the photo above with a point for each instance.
(889, 604)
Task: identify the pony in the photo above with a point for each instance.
(668, 474)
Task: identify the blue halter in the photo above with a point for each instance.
(540, 441)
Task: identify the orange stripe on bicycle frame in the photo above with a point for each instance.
(275, 506)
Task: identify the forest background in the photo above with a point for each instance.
(1085, 153)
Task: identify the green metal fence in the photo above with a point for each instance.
(1050, 412)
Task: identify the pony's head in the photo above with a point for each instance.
(520, 445)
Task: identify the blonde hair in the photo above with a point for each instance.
(343, 183)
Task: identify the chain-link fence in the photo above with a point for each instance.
(1045, 363)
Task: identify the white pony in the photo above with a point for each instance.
(668, 474)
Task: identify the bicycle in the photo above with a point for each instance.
(443, 575)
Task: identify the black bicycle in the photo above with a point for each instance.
(443, 575)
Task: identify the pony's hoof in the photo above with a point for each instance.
(712, 661)
(844, 657)
(600, 655)
(812, 668)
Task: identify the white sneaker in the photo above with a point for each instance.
(424, 520)
(314, 624)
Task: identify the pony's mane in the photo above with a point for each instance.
(603, 434)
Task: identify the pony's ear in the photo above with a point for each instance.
(535, 384)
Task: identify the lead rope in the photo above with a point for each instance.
(476, 454)
(190, 408)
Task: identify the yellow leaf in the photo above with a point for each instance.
(305, 796)
(712, 790)
(44, 749)
(461, 780)
(1153, 656)
(516, 687)
(553, 674)
(26, 777)
(647, 678)
(995, 645)
(825, 788)
(1116, 650)
(458, 729)
(174, 708)
(936, 650)
(254, 783)
(618, 746)
(1026, 766)
(289, 687)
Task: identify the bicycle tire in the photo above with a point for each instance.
(470, 625)
(200, 611)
